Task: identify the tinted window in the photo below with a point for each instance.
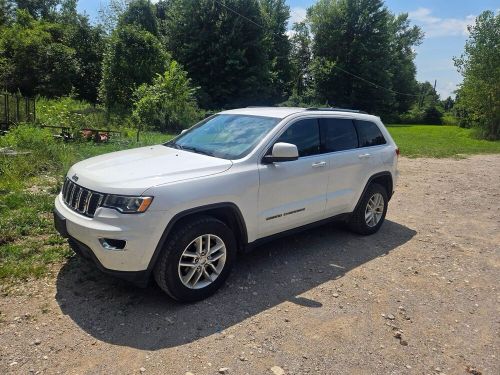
(305, 135)
(369, 134)
(338, 134)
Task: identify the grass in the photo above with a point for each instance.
(29, 244)
(439, 141)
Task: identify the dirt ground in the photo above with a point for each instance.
(419, 297)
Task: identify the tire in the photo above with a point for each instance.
(181, 245)
(358, 222)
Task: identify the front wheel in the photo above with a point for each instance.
(370, 212)
(196, 259)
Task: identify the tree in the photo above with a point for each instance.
(402, 67)
(478, 97)
(275, 15)
(89, 43)
(300, 57)
(222, 49)
(133, 57)
(448, 103)
(362, 55)
(39, 9)
(110, 13)
(168, 104)
(6, 12)
(142, 14)
(37, 59)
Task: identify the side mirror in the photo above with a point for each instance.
(183, 131)
(282, 152)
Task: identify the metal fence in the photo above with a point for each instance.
(15, 109)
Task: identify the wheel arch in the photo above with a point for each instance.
(382, 178)
(227, 212)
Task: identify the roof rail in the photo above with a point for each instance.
(336, 109)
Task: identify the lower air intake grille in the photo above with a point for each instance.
(81, 200)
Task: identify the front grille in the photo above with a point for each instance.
(80, 199)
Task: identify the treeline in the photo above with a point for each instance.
(163, 61)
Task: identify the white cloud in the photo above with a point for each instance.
(297, 14)
(436, 26)
(447, 89)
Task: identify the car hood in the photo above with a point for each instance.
(134, 171)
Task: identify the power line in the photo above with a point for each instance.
(373, 83)
(336, 67)
(239, 14)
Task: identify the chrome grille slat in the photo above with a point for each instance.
(80, 199)
(87, 200)
(71, 192)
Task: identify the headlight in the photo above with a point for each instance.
(126, 204)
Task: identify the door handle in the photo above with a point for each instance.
(319, 164)
(364, 156)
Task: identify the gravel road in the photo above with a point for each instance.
(419, 297)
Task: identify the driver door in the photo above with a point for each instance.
(293, 193)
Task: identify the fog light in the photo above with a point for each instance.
(111, 244)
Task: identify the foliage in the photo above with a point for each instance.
(37, 58)
(140, 13)
(439, 141)
(88, 42)
(168, 104)
(222, 52)
(403, 39)
(110, 13)
(364, 39)
(132, 58)
(275, 14)
(51, 58)
(76, 114)
(6, 11)
(300, 58)
(41, 159)
(478, 98)
(39, 8)
(350, 36)
(238, 52)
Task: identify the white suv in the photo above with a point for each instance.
(183, 210)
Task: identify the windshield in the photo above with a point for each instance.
(225, 136)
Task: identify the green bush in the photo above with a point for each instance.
(429, 114)
(77, 114)
(168, 104)
(43, 155)
(449, 119)
(28, 137)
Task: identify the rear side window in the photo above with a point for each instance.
(369, 134)
(305, 135)
(338, 134)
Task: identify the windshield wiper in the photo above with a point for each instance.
(174, 145)
(197, 150)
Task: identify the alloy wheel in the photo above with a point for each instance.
(202, 261)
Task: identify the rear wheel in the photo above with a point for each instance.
(370, 212)
(196, 259)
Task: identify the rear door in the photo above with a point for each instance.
(293, 193)
(346, 167)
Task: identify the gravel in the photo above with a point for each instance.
(433, 267)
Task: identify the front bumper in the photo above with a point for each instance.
(142, 233)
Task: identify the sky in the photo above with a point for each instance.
(444, 23)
